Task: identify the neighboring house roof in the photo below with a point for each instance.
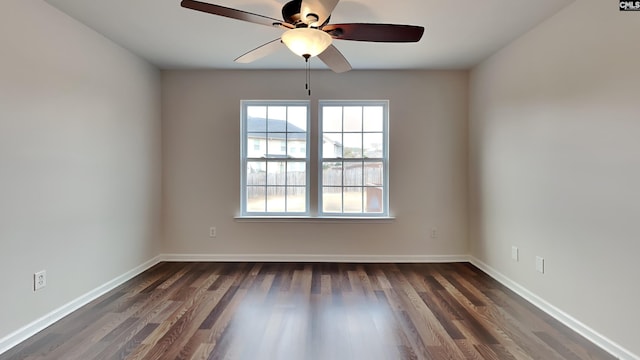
(278, 129)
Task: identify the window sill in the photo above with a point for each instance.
(316, 219)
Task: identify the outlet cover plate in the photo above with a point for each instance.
(39, 280)
(540, 264)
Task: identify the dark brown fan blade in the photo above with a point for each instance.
(322, 9)
(232, 13)
(334, 59)
(260, 51)
(375, 32)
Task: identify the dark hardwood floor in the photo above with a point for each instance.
(308, 311)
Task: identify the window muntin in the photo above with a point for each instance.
(275, 174)
(353, 174)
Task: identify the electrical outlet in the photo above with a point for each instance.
(212, 232)
(39, 280)
(434, 233)
(515, 253)
(540, 264)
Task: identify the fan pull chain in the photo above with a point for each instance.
(309, 77)
(307, 71)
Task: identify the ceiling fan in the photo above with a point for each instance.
(308, 32)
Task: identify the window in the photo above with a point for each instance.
(275, 179)
(354, 158)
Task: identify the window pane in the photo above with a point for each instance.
(256, 145)
(276, 199)
(297, 166)
(373, 118)
(332, 174)
(332, 119)
(297, 119)
(372, 143)
(352, 174)
(352, 119)
(276, 146)
(296, 174)
(256, 118)
(353, 199)
(373, 174)
(296, 199)
(352, 146)
(276, 126)
(256, 173)
(374, 199)
(332, 146)
(332, 199)
(277, 113)
(276, 172)
(297, 143)
(256, 198)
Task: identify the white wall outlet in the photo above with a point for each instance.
(434, 233)
(39, 280)
(540, 264)
(212, 232)
(515, 253)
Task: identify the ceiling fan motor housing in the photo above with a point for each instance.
(291, 14)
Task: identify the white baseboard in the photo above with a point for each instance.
(315, 258)
(40, 324)
(577, 326)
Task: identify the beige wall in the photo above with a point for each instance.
(555, 165)
(428, 152)
(79, 160)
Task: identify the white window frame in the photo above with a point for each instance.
(384, 159)
(244, 141)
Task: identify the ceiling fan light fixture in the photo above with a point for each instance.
(306, 42)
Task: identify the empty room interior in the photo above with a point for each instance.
(511, 162)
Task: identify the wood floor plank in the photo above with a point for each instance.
(468, 350)
(444, 346)
(308, 311)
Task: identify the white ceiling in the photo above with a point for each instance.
(458, 34)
